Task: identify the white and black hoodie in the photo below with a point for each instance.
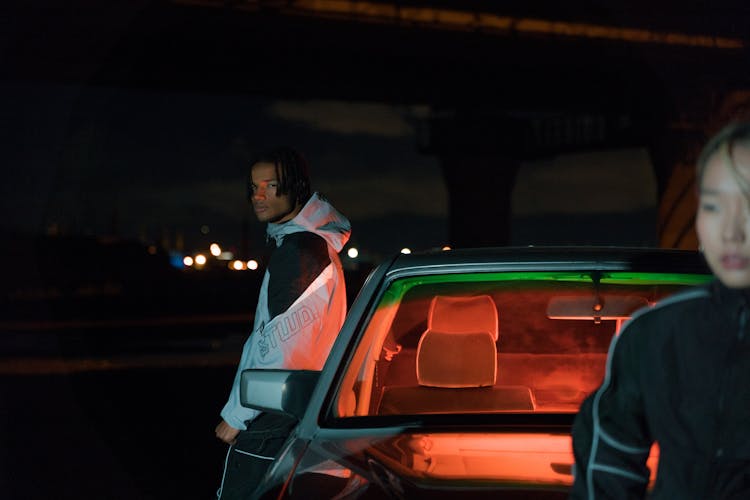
(302, 300)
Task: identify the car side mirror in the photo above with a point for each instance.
(278, 391)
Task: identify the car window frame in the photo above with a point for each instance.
(424, 274)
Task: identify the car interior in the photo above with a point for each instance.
(459, 329)
(512, 345)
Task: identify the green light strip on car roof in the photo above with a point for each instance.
(619, 278)
(399, 288)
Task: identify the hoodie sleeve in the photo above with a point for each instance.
(611, 441)
(293, 267)
(233, 412)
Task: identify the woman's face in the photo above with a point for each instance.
(723, 219)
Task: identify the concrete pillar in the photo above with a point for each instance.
(479, 155)
(479, 191)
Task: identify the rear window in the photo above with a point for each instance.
(493, 342)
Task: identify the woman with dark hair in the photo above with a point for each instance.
(678, 374)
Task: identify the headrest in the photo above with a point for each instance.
(456, 359)
(463, 315)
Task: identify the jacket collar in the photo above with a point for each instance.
(316, 216)
(730, 296)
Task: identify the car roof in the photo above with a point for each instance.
(548, 258)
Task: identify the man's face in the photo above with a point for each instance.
(723, 219)
(268, 206)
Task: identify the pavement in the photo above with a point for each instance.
(115, 411)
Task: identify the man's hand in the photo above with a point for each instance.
(226, 432)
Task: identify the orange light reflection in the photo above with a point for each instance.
(518, 457)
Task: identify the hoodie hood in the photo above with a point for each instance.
(317, 216)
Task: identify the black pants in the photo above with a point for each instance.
(252, 454)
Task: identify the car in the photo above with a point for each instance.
(458, 373)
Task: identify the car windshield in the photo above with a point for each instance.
(493, 342)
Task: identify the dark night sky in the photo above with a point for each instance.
(160, 145)
(149, 163)
(141, 162)
(155, 161)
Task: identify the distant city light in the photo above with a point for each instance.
(176, 260)
(237, 265)
(205, 229)
(188, 261)
(226, 255)
(405, 250)
(352, 253)
(252, 264)
(152, 250)
(446, 247)
(215, 249)
(200, 259)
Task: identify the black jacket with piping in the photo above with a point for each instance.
(678, 375)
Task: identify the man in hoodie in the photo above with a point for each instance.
(301, 307)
